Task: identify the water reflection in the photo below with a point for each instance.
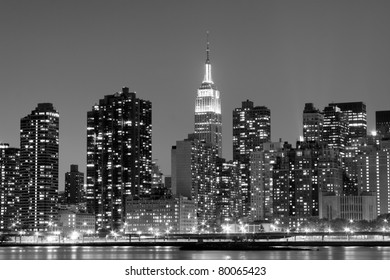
(173, 253)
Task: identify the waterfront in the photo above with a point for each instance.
(174, 253)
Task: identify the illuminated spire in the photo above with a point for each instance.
(207, 75)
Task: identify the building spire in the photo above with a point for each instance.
(207, 48)
(207, 75)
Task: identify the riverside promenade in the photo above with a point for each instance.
(263, 241)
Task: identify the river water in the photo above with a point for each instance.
(173, 253)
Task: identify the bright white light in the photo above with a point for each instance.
(373, 133)
(74, 235)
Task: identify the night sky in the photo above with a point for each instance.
(279, 54)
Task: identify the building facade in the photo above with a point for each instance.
(357, 208)
(9, 197)
(119, 156)
(39, 146)
(251, 128)
(313, 122)
(356, 116)
(208, 117)
(335, 128)
(160, 216)
(74, 185)
(382, 119)
(261, 170)
(194, 176)
(373, 169)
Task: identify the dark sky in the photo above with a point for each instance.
(279, 54)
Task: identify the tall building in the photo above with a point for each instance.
(261, 170)
(251, 128)
(74, 185)
(382, 119)
(194, 176)
(208, 117)
(335, 129)
(373, 168)
(228, 192)
(9, 175)
(39, 132)
(356, 115)
(313, 121)
(299, 177)
(119, 156)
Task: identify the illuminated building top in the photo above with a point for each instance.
(208, 119)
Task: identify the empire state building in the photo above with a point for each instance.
(208, 118)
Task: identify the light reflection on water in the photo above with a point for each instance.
(173, 253)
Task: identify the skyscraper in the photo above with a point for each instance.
(356, 116)
(194, 176)
(313, 121)
(9, 175)
(335, 129)
(74, 185)
(373, 168)
(39, 132)
(208, 118)
(251, 128)
(382, 119)
(119, 156)
(262, 164)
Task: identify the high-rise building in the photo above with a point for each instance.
(39, 132)
(119, 156)
(373, 168)
(356, 115)
(382, 119)
(335, 129)
(251, 128)
(299, 177)
(261, 170)
(74, 185)
(194, 176)
(9, 175)
(313, 121)
(208, 117)
(228, 192)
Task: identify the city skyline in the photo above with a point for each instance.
(277, 54)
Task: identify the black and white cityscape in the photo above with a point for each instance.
(225, 176)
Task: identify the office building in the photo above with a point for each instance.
(119, 156)
(382, 119)
(160, 216)
(353, 207)
(194, 176)
(208, 117)
(373, 168)
(39, 132)
(261, 170)
(313, 121)
(228, 192)
(74, 186)
(9, 175)
(251, 128)
(335, 128)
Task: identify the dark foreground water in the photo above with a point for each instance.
(173, 253)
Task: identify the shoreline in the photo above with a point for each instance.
(211, 245)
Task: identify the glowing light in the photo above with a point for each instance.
(74, 235)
